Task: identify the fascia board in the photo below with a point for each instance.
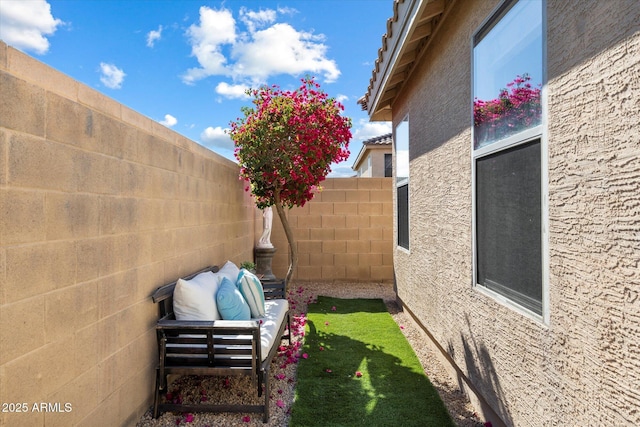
(407, 13)
(359, 158)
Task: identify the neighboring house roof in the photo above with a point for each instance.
(377, 141)
(409, 33)
(385, 139)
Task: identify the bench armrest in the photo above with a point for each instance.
(274, 288)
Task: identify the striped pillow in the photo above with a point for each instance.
(251, 289)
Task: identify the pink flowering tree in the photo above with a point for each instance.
(515, 109)
(285, 145)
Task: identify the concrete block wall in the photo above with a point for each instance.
(345, 233)
(99, 205)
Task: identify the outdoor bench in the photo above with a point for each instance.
(219, 347)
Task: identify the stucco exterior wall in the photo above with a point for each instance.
(583, 367)
(377, 161)
(375, 155)
(98, 207)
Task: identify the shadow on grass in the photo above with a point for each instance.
(393, 389)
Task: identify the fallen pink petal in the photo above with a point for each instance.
(280, 403)
(246, 419)
(358, 374)
(305, 356)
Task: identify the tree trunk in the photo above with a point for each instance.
(293, 248)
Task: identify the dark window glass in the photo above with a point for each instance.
(403, 216)
(388, 165)
(508, 224)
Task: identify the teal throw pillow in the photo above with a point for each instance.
(231, 304)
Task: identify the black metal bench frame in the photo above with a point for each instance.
(219, 348)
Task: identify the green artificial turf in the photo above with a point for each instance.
(345, 337)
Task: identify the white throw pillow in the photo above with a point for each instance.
(230, 271)
(252, 291)
(195, 299)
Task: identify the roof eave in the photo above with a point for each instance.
(359, 159)
(412, 23)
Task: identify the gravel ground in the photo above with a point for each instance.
(283, 373)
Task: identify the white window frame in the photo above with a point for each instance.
(526, 136)
(401, 183)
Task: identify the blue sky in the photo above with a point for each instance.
(186, 63)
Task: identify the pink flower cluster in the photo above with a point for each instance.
(515, 109)
(288, 141)
(185, 419)
(291, 354)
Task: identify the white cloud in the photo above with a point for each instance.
(232, 91)
(112, 76)
(154, 35)
(342, 98)
(366, 129)
(265, 49)
(281, 49)
(216, 138)
(287, 10)
(341, 172)
(253, 19)
(216, 29)
(24, 24)
(169, 120)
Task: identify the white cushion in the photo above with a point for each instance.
(275, 309)
(230, 271)
(195, 299)
(251, 289)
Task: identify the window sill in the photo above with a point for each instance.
(541, 320)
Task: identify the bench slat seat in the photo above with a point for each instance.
(219, 347)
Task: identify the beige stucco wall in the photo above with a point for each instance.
(583, 366)
(376, 153)
(345, 233)
(377, 160)
(98, 207)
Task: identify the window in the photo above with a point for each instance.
(401, 145)
(388, 165)
(508, 154)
